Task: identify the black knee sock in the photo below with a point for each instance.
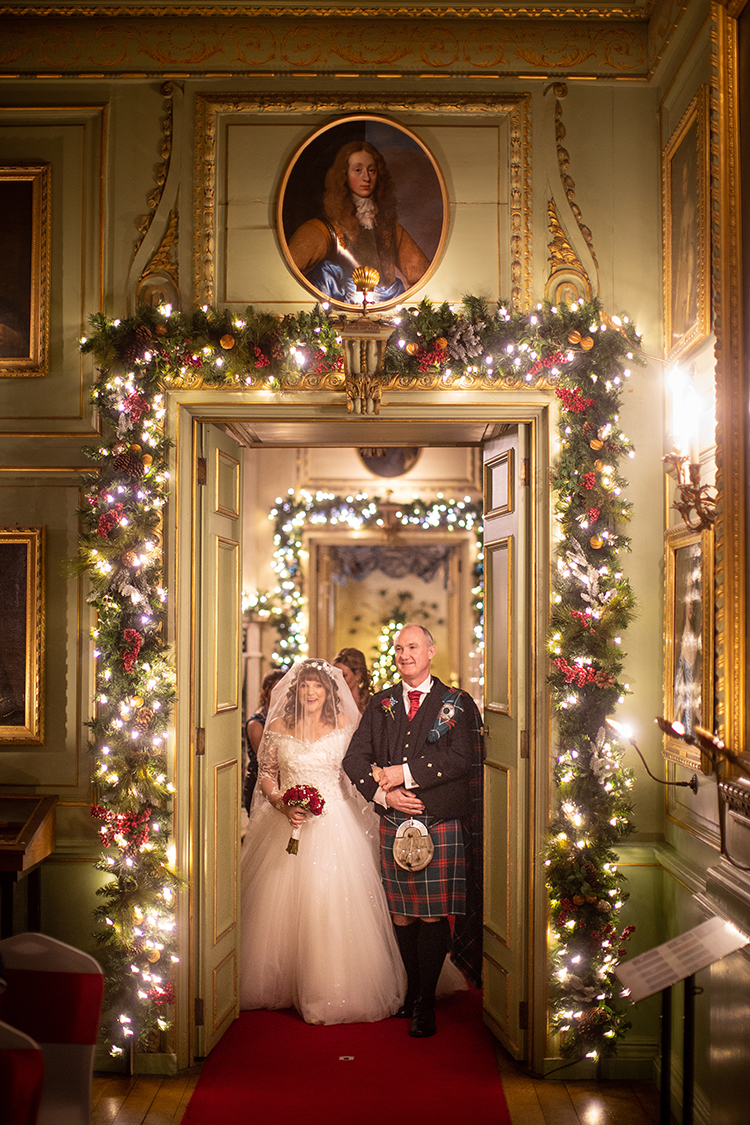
(408, 940)
(433, 944)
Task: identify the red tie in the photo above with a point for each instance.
(414, 701)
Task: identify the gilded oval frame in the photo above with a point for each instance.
(421, 195)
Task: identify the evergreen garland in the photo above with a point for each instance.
(120, 547)
(576, 349)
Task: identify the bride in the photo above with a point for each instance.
(316, 932)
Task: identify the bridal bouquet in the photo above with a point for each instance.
(305, 797)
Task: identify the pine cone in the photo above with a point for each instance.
(143, 334)
(143, 717)
(126, 463)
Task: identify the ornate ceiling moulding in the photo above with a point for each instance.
(259, 44)
(407, 9)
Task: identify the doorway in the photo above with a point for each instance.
(517, 750)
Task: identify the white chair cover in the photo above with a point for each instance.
(54, 994)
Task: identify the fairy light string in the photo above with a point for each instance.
(577, 350)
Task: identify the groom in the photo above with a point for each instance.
(412, 755)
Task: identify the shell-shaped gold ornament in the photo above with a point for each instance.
(365, 279)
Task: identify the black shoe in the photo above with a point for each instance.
(423, 1021)
(406, 1011)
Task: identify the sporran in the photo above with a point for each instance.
(413, 847)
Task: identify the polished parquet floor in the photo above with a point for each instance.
(150, 1100)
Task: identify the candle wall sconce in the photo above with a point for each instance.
(624, 734)
(695, 502)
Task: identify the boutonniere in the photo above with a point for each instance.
(451, 705)
(388, 706)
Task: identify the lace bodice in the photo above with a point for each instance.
(288, 761)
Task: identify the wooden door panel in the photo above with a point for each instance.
(506, 545)
(218, 772)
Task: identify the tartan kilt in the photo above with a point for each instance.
(440, 887)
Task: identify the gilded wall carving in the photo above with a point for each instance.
(567, 279)
(121, 46)
(162, 171)
(569, 187)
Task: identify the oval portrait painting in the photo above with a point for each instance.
(362, 192)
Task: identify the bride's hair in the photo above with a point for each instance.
(312, 670)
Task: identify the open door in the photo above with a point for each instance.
(507, 568)
(218, 764)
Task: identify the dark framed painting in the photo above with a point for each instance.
(22, 650)
(24, 279)
(686, 231)
(688, 629)
(362, 191)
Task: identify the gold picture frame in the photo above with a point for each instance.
(688, 637)
(22, 653)
(25, 281)
(322, 251)
(686, 231)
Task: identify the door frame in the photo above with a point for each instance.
(186, 408)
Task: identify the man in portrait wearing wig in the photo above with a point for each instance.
(359, 227)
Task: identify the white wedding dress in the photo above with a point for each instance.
(316, 932)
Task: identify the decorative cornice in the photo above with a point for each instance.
(254, 46)
(327, 11)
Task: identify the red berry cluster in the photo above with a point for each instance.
(261, 359)
(584, 618)
(134, 639)
(572, 400)
(589, 480)
(435, 357)
(133, 826)
(592, 515)
(557, 359)
(162, 994)
(108, 520)
(323, 363)
(576, 673)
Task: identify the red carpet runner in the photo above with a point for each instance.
(271, 1067)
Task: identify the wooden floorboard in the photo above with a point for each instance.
(152, 1100)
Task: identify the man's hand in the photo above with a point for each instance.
(404, 801)
(390, 777)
